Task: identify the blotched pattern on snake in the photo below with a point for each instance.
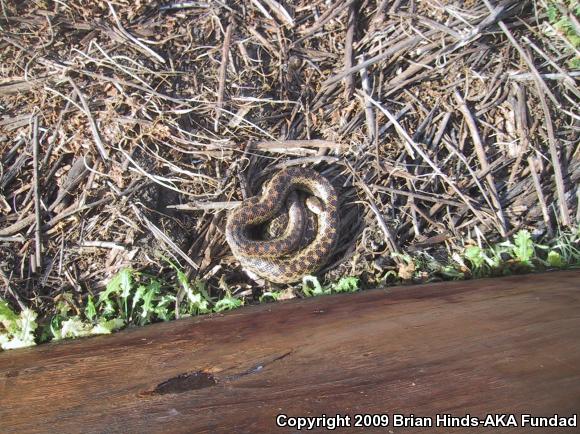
(285, 259)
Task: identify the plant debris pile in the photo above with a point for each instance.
(128, 129)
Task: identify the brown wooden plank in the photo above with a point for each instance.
(478, 347)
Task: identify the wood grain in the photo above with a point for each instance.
(478, 347)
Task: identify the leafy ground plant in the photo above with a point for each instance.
(311, 287)
(133, 298)
(18, 329)
(563, 16)
(522, 254)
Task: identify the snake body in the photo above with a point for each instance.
(285, 259)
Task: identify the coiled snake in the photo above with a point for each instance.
(286, 259)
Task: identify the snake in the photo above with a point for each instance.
(293, 254)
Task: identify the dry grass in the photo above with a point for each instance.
(439, 121)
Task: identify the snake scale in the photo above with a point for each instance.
(285, 259)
